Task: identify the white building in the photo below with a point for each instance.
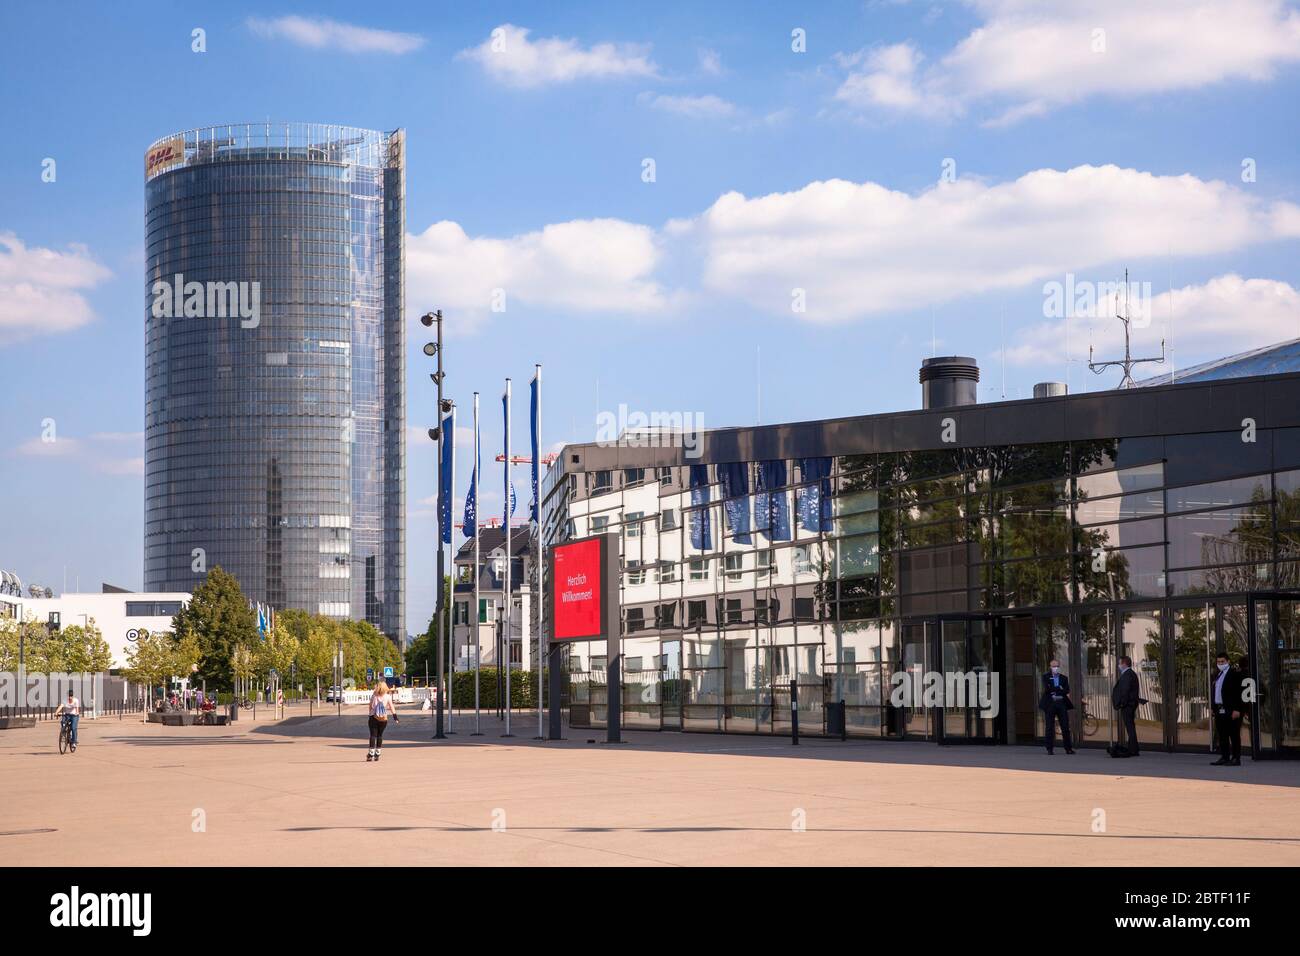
(120, 615)
(491, 571)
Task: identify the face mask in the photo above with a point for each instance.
(1223, 667)
(1056, 670)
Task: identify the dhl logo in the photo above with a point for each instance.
(162, 156)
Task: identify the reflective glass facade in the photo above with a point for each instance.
(775, 557)
(274, 445)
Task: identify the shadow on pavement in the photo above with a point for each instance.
(881, 830)
(416, 730)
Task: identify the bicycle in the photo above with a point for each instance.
(1089, 721)
(65, 734)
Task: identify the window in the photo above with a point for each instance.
(803, 560)
(766, 562)
(599, 523)
(635, 622)
(668, 520)
(697, 613)
(487, 610)
(152, 608)
(665, 476)
(633, 477)
(460, 615)
(667, 572)
(632, 524)
(804, 609)
(732, 613)
(632, 664)
(699, 569)
(635, 574)
(765, 610)
(666, 615)
(600, 482)
(734, 565)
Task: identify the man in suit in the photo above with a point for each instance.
(1226, 686)
(1125, 698)
(1056, 706)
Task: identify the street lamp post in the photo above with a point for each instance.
(434, 350)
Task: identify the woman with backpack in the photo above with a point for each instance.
(382, 707)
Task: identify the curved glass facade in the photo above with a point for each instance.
(274, 412)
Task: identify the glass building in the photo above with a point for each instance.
(275, 394)
(851, 557)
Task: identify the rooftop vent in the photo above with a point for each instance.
(1050, 389)
(948, 380)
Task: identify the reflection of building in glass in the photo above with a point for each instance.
(837, 554)
(275, 413)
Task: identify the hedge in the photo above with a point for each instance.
(522, 688)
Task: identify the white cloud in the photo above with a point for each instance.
(510, 57)
(1026, 58)
(40, 289)
(860, 249)
(710, 62)
(856, 250)
(585, 266)
(1225, 315)
(91, 453)
(322, 33)
(707, 106)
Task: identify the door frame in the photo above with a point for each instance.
(997, 633)
(1263, 656)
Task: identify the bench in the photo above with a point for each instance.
(16, 723)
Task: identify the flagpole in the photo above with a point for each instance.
(451, 601)
(478, 636)
(506, 596)
(541, 556)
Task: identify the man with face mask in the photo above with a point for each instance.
(1125, 697)
(1229, 708)
(1056, 706)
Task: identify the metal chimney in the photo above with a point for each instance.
(1050, 389)
(949, 380)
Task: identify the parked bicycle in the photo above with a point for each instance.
(1090, 722)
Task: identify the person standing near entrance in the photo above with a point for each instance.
(1226, 686)
(1056, 706)
(1125, 698)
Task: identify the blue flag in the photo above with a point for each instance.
(814, 500)
(535, 427)
(734, 477)
(471, 505)
(444, 477)
(772, 504)
(701, 532)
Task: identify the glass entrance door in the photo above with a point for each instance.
(913, 719)
(1274, 664)
(969, 655)
(671, 690)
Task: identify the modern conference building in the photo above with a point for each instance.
(854, 556)
(275, 394)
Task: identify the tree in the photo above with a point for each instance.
(150, 660)
(220, 620)
(276, 652)
(78, 648)
(315, 655)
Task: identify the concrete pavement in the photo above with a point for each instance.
(299, 791)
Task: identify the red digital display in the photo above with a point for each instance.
(576, 586)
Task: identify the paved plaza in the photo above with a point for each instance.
(298, 791)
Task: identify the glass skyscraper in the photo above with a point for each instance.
(275, 392)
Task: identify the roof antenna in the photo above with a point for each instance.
(1129, 361)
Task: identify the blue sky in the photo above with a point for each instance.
(915, 175)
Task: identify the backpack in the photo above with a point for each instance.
(380, 714)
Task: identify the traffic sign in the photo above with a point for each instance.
(388, 672)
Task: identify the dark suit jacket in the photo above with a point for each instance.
(1125, 693)
(1046, 701)
(1232, 689)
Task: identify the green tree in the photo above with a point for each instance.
(151, 660)
(78, 648)
(220, 620)
(315, 656)
(276, 652)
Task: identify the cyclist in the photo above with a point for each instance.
(70, 710)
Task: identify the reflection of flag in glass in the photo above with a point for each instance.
(701, 533)
(513, 501)
(471, 505)
(814, 499)
(734, 477)
(444, 476)
(772, 504)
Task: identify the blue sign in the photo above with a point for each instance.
(388, 672)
